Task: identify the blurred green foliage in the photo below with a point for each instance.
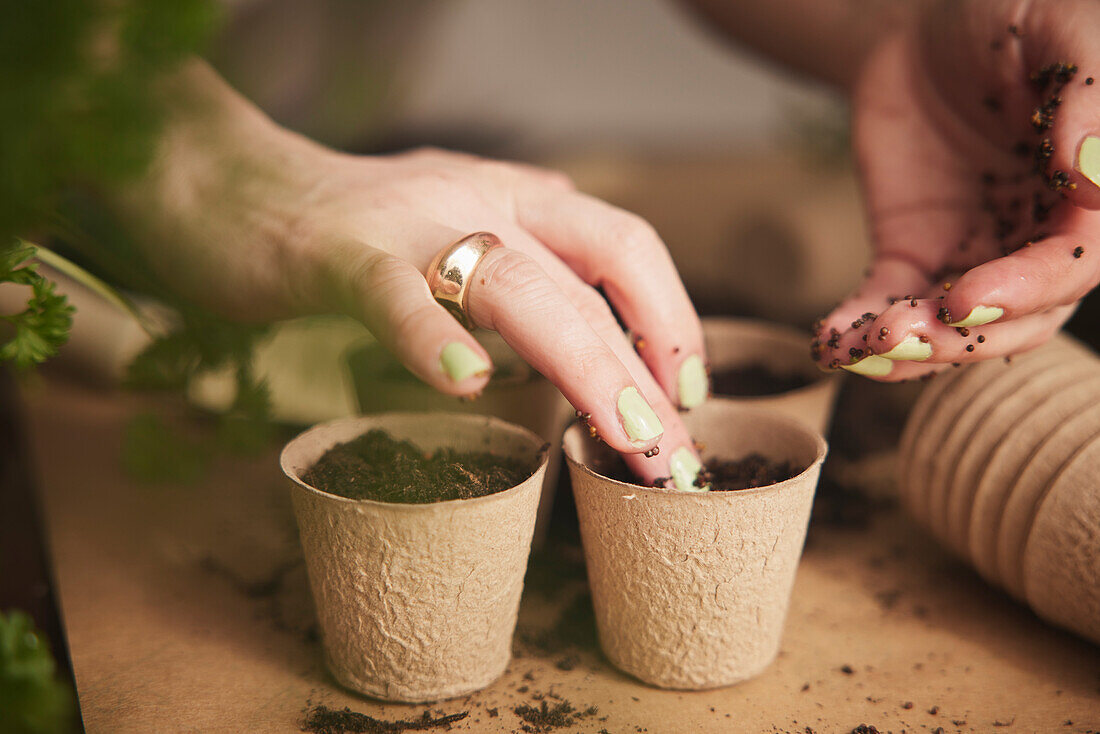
(43, 326)
(32, 698)
(77, 102)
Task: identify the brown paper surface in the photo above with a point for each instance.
(187, 608)
(691, 589)
(417, 602)
(734, 342)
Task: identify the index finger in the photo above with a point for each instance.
(619, 251)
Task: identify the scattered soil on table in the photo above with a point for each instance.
(574, 629)
(755, 380)
(549, 716)
(752, 470)
(376, 466)
(323, 720)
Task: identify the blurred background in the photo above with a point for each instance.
(742, 169)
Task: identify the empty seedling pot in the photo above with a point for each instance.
(691, 589)
(417, 602)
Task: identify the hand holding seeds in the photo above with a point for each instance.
(977, 131)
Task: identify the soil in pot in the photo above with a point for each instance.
(755, 380)
(376, 466)
(752, 470)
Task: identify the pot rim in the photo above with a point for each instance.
(378, 420)
(820, 444)
(818, 378)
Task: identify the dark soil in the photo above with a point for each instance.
(753, 470)
(323, 720)
(378, 467)
(547, 716)
(754, 380)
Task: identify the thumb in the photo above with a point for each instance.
(1067, 115)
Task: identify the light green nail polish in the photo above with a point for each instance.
(911, 348)
(1088, 159)
(685, 468)
(639, 421)
(460, 362)
(980, 316)
(873, 366)
(693, 382)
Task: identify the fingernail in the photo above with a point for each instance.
(693, 382)
(911, 348)
(873, 366)
(980, 316)
(460, 362)
(1088, 159)
(685, 468)
(639, 421)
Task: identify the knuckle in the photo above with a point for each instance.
(510, 274)
(594, 308)
(633, 234)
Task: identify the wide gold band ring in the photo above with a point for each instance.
(453, 268)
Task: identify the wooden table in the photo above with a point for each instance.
(187, 609)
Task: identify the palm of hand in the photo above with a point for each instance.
(956, 130)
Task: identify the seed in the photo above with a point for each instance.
(944, 315)
(592, 431)
(981, 339)
(913, 302)
(855, 353)
(970, 347)
(1078, 251)
(923, 339)
(1089, 80)
(963, 331)
(947, 286)
(652, 452)
(834, 364)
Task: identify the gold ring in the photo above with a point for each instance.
(452, 269)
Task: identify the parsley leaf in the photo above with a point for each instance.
(43, 326)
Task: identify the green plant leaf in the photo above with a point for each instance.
(32, 698)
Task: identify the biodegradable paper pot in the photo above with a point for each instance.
(516, 394)
(417, 602)
(691, 588)
(785, 350)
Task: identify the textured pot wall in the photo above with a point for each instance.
(417, 602)
(691, 589)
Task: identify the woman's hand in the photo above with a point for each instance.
(978, 134)
(257, 223)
